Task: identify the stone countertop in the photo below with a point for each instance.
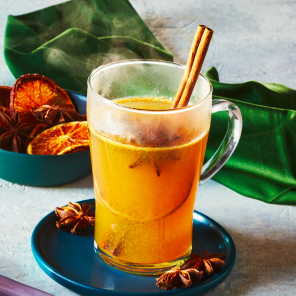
(253, 40)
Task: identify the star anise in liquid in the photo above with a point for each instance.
(74, 217)
(149, 159)
(112, 244)
(159, 138)
(177, 278)
(14, 135)
(56, 115)
(209, 263)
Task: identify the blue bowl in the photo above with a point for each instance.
(47, 170)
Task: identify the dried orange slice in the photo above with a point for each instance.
(75, 148)
(4, 99)
(38, 129)
(5, 96)
(33, 90)
(61, 139)
(4, 110)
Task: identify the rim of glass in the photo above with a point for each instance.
(113, 104)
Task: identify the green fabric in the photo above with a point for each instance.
(264, 164)
(66, 42)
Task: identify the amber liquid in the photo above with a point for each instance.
(145, 195)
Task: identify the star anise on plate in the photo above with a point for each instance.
(177, 278)
(13, 134)
(209, 263)
(191, 271)
(74, 217)
(56, 115)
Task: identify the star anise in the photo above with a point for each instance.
(158, 138)
(56, 115)
(112, 244)
(177, 278)
(13, 133)
(149, 159)
(146, 159)
(74, 217)
(209, 263)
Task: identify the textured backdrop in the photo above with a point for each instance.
(252, 40)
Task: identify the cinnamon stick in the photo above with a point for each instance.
(196, 58)
(192, 53)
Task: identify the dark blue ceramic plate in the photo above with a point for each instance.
(47, 170)
(71, 261)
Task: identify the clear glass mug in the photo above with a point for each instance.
(147, 163)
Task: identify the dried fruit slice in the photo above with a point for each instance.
(61, 139)
(5, 95)
(4, 99)
(33, 90)
(5, 111)
(38, 129)
(75, 148)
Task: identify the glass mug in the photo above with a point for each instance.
(147, 161)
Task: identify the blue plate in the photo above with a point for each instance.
(71, 261)
(47, 170)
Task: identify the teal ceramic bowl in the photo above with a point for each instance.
(47, 170)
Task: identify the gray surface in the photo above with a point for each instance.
(252, 40)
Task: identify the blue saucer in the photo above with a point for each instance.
(71, 261)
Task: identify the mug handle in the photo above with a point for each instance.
(230, 141)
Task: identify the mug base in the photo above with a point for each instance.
(142, 269)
